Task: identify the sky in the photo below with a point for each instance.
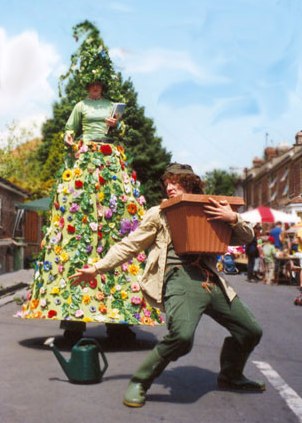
(221, 79)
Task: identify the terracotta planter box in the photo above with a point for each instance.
(190, 230)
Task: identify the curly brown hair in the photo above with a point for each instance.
(190, 182)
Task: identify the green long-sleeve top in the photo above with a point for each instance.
(88, 118)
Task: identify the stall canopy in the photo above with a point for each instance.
(268, 215)
(42, 204)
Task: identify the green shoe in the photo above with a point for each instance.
(135, 395)
(240, 384)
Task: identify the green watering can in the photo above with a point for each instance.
(83, 365)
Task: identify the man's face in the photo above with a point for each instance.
(173, 188)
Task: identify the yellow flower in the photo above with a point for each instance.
(101, 196)
(111, 225)
(69, 301)
(64, 257)
(124, 295)
(113, 314)
(141, 212)
(87, 319)
(55, 290)
(133, 269)
(112, 290)
(86, 299)
(77, 172)
(58, 249)
(56, 219)
(67, 175)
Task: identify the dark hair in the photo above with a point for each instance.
(189, 181)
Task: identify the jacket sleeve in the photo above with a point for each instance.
(74, 123)
(242, 232)
(141, 239)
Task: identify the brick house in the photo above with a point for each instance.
(276, 179)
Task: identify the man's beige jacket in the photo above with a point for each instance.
(153, 235)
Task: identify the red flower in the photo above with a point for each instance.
(78, 184)
(106, 149)
(71, 229)
(93, 283)
(132, 208)
(51, 314)
(102, 181)
(134, 176)
(57, 205)
(100, 235)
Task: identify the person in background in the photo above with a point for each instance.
(277, 234)
(252, 253)
(269, 254)
(186, 286)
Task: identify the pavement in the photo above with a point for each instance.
(14, 284)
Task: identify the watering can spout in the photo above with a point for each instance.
(83, 365)
(65, 364)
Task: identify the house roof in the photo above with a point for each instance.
(14, 188)
(42, 204)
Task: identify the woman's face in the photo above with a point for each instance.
(95, 90)
(173, 188)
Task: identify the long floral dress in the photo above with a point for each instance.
(97, 202)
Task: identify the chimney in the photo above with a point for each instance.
(298, 138)
(257, 162)
(269, 153)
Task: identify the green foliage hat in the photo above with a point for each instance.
(91, 62)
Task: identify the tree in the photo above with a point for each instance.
(220, 182)
(143, 147)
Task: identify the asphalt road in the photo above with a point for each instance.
(34, 388)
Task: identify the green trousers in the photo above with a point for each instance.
(185, 302)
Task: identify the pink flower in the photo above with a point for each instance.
(141, 200)
(136, 300)
(124, 267)
(135, 287)
(93, 226)
(141, 257)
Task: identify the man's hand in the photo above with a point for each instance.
(85, 274)
(220, 211)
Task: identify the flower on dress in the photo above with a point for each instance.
(106, 149)
(108, 214)
(74, 208)
(78, 184)
(93, 226)
(141, 257)
(136, 300)
(133, 269)
(51, 314)
(135, 287)
(47, 266)
(67, 175)
(79, 313)
(132, 208)
(71, 229)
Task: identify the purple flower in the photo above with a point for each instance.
(74, 208)
(89, 248)
(108, 214)
(99, 249)
(134, 224)
(126, 226)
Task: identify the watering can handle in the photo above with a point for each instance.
(94, 341)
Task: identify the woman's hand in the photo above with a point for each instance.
(85, 274)
(111, 122)
(220, 211)
(68, 139)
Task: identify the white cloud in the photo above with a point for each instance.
(26, 65)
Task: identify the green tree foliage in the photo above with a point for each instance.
(220, 182)
(143, 147)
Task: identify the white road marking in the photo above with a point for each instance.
(287, 393)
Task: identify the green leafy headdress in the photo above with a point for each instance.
(91, 62)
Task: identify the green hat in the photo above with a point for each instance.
(179, 169)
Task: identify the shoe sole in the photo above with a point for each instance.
(133, 404)
(227, 386)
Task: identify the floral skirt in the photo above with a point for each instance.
(97, 201)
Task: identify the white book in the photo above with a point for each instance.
(118, 110)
